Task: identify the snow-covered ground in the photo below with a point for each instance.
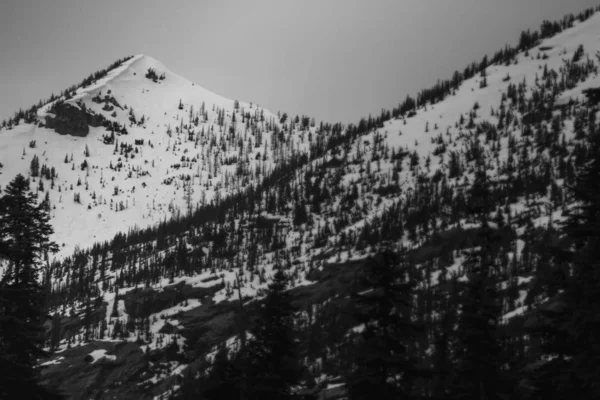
(139, 184)
(114, 199)
(101, 354)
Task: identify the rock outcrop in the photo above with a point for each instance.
(67, 119)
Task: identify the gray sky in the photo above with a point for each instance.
(336, 60)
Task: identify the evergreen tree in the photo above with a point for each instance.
(583, 226)
(568, 327)
(271, 359)
(266, 367)
(34, 166)
(300, 214)
(477, 374)
(217, 380)
(222, 381)
(24, 232)
(547, 372)
(477, 371)
(55, 334)
(442, 343)
(383, 367)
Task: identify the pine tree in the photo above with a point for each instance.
(545, 378)
(34, 166)
(55, 335)
(217, 380)
(265, 367)
(382, 367)
(87, 320)
(300, 214)
(24, 232)
(483, 83)
(271, 358)
(564, 331)
(442, 343)
(477, 374)
(188, 192)
(583, 226)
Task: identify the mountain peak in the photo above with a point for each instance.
(120, 145)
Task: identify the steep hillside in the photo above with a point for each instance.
(121, 151)
(138, 315)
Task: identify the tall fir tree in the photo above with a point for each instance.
(383, 366)
(568, 327)
(477, 372)
(216, 380)
(443, 338)
(271, 361)
(583, 227)
(582, 294)
(266, 366)
(24, 232)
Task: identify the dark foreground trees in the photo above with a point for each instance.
(382, 366)
(272, 358)
(266, 367)
(478, 353)
(24, 244)
(567, 329)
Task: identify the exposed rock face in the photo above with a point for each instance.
(533, 117)
(555, 306)
(71, 120)
(103, 379)
(135, 374)
(142, 302)
(71, 325)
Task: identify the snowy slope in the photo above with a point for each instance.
(138, 187)
(361, 164)
(411, 133)
(159, 103)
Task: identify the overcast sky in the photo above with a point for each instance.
(336, 60)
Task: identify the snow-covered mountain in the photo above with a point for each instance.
(317, 200)
(123, 148)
